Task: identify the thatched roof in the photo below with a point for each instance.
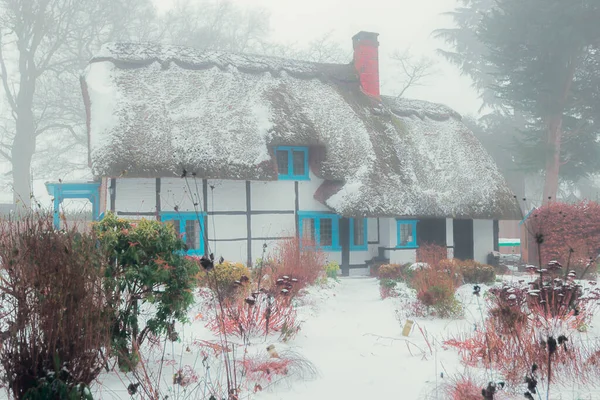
(156, 110)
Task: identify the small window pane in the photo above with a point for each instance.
(282, 162)
(359, 232)
(326, 232)
(406, 234)
(299, 163)
(192, 234)
(308, 230)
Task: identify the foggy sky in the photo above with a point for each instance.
(400, 23)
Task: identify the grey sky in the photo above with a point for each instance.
(400, 23)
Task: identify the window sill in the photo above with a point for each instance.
(413, 246)
(292, 178)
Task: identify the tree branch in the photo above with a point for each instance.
(415, 71)
(4, 75)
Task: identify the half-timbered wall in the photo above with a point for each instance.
(241, 216)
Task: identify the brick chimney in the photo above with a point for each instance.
(366, 61)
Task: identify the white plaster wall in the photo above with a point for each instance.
(174, 192)
(372, 233)
(135, 195)
(273, 225)
(333, 256)
(384, 235)
(306, 192)
(359, 257)
(403, 256)
(257, 248)
(235, 251)
(227, 227)
(277, 195)
(483, 239)
(228, 195)
(450, 237)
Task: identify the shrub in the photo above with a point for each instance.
(304, 264)
(260, 314)
(387, 288)
(570, 233)
(262, 370)
(435, 289)
(228, 276)
(431, 253)
(147, 266)
(463, 388)
(391, 271)
(474, 272)
(332, 270)
(54, 318)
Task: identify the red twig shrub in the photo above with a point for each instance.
(431, 253)
(522, 318)
(258, 315)
(54, 319)
(570, 233)
(463, 388)
(262, 370)
(301, 262)
(435, 286)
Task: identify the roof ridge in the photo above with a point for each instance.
(110, 47)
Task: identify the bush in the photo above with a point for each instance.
(147, 266)
(431, 253)
(391, 271)
(258, 315)
(387, 288)
(229, 278)
(435, 288)
(474, 272)
(55, 317)
(570, 233)
(332, 270)
(302, 264)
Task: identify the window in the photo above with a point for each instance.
(320, 229)
(190, 226)
(358, 234)
(407, 234)
(292, 162)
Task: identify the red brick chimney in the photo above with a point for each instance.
(366, 61)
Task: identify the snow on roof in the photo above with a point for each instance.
(156, 110)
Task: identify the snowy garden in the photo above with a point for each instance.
(120, 312)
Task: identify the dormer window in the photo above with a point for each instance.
(292, 163)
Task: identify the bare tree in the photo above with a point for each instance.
(43, 46)
(215, 25)
(414, 70)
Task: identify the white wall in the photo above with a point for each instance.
(226, 195)
(450, 237)
(227, 234)
(278, 195)
(135, 195)
(174, 192)
(483, 239)
(403, 256)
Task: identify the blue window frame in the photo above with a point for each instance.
(320, 229)
(190, 226)
(292, 163)
(407, 234)
(358, 234)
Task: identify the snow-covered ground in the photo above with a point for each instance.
(354, 339)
